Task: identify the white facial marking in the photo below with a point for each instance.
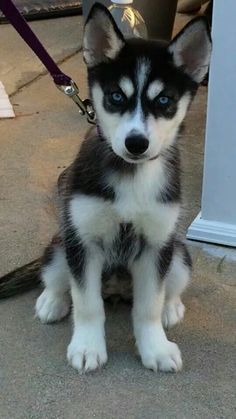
(126, 86)
(161, 132)
(154, 89)
(135, 121)
(116, 127)
(142, 72)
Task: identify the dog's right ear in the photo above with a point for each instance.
(102, 38)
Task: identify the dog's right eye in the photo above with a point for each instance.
(117, 98)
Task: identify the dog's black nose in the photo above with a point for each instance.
(136, 144)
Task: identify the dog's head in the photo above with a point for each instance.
(141, 89)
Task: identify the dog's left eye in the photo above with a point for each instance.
(163, 100)
(117, 98)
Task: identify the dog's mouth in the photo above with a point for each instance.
(154, 157)
(130, 158)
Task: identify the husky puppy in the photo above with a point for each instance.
(123, 197)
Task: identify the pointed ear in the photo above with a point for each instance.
(102, 38)
(191, 49)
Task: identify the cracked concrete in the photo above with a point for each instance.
(61, 37)
(35, 380)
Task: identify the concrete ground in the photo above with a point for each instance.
(35, 380)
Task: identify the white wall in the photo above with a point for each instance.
(217, 221)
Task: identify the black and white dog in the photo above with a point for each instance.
(123, 198)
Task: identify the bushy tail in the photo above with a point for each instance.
(20, 280)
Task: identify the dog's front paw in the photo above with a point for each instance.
(156, 351)
(165, 357)
(87, 350)
(173, 313)
(51, 307)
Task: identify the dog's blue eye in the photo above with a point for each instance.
(117, 98)
(163, 100)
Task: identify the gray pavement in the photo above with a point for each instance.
(61, 37)
(35, 380)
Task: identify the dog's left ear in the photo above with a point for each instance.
(191, 49)
(102, 38)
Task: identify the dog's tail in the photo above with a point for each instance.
(20, 280)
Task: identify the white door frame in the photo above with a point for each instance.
(216, 222)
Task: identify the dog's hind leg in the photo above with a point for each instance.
(176, 280)
(54, 302)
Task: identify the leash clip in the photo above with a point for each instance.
(85, 106)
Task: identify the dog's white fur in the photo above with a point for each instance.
(154, 89)
(126, 86)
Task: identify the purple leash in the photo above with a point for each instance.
(63, 82)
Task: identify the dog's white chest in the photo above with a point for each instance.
(153, 219)
(135, 203)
